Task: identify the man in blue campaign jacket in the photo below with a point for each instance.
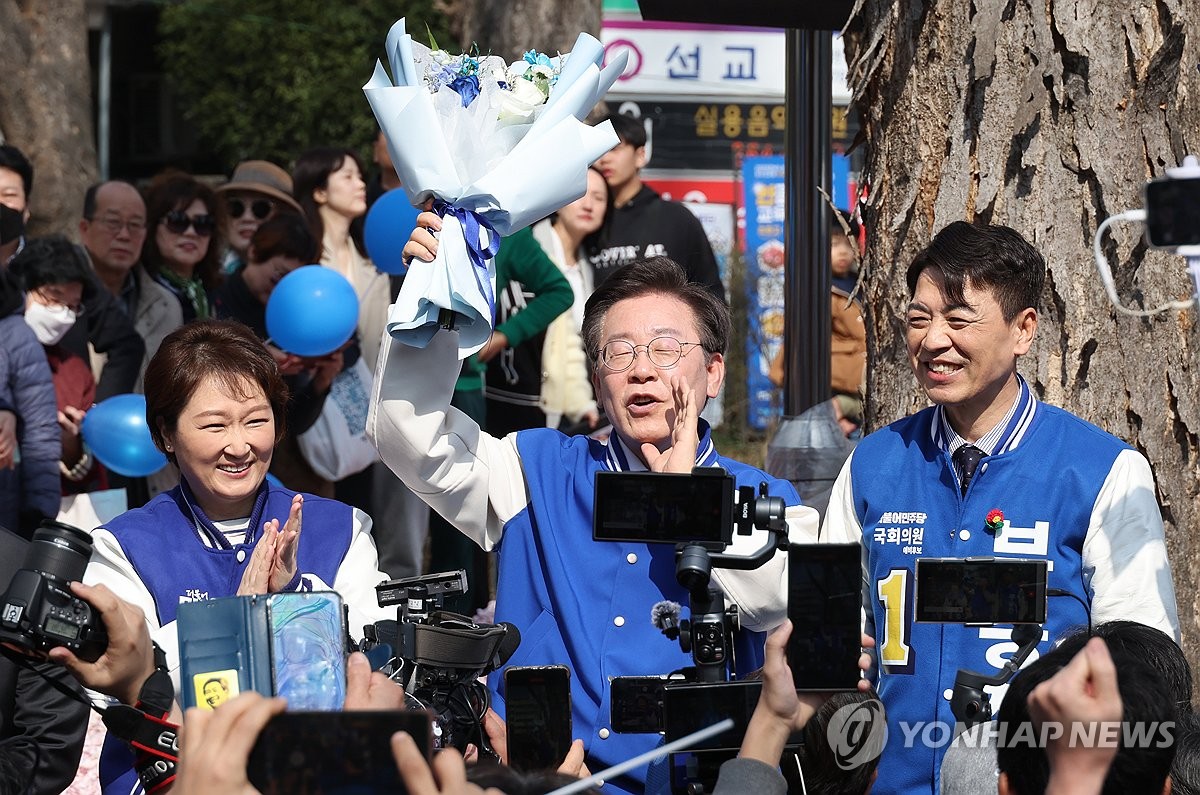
(656, 343)
(1055, 487)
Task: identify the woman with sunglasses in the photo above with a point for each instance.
(182, 215)
(257, 192)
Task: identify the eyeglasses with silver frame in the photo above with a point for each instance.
(663, 352)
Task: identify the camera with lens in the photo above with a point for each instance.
(38, 611)
(439, 656)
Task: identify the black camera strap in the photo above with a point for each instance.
(144, 726)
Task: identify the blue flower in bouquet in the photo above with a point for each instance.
(535, 58)
(467, 87)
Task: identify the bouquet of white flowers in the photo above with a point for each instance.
(498, 146)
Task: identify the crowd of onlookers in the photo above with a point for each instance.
(141, 304)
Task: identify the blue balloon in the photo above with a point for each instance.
(389, 222)
(117, 433)
(313, 311)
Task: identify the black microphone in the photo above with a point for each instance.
(665, 617)
(509, 643)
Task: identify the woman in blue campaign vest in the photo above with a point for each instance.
(215, 403)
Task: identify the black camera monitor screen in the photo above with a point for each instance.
(650, 507)
(1173, 212)
(329, 753)
(825, 607)
(636, 704)
(992, 591)
(688, 708)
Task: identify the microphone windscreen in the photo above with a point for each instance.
(512, 639)
(665, 614)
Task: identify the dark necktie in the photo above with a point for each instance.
(966, 461)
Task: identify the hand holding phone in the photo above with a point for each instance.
(538, 716)
(323, 753)
(825, 607)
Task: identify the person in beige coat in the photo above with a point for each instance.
(567, 237)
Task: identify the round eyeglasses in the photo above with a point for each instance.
(663, 352)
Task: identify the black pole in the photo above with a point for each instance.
(809, 447)
(807, 278)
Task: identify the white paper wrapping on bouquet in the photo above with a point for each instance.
(511, 173)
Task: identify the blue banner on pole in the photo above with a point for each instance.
(763, 182)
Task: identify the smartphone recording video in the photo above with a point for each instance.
(981, 591)
(537, 704)
(330, 753)
(825, 607)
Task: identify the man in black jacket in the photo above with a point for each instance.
(645, 225)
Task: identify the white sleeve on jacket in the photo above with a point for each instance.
(761, 594)
(842, 526)
(472, 479)
(1125, 553)
(110, 567)
(357, 577)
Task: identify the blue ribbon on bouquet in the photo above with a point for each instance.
(472, 222)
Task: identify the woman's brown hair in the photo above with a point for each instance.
(224, 350)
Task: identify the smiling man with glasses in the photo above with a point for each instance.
(656, 343)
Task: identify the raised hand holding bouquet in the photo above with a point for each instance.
(498, 147)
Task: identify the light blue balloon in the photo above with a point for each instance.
(117, 433)
(313, 311)
(389, 222)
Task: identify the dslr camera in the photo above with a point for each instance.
(39, 611)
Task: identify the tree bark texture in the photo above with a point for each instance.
(46, 104)
(1047, 116)
(510, 27)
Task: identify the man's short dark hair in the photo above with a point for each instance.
(1152, 645)
(1147, 705)
(629, 129)
(819, 763)
(50, 260)
(1185, 770)
(14, 159)
(985, 257)
(657, 275)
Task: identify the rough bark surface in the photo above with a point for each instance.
(1047, 116)
(510, 27)
(46, 104)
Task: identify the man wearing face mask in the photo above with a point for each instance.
(54, 276)
(105, 329)
(16, 179)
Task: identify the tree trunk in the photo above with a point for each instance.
(510, 27)
(1047, 116)
(46, 104)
